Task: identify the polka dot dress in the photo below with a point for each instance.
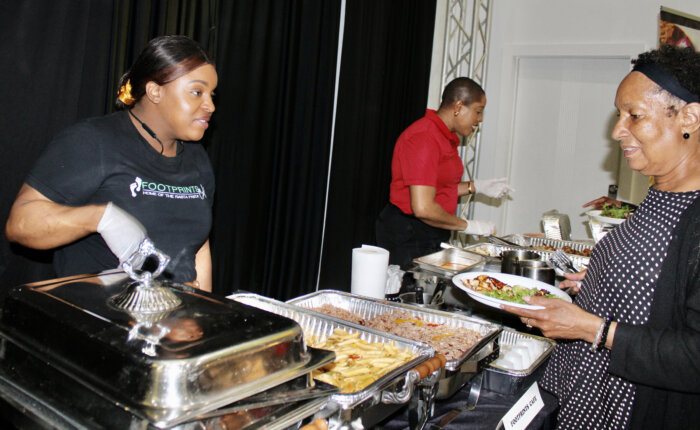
(619, 284)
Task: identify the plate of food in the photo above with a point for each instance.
(611, 214)
(498, 289)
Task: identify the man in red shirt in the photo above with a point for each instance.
(426, 172)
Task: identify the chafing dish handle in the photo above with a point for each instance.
(428, 367)
(414, 376)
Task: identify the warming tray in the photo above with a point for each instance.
(165, 367)
(381, 398)
(449, 262)
(456, 372)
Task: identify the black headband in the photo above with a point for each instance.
(666, 81)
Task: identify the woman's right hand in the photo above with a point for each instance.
(573, 281)
(121, 232)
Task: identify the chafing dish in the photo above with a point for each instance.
(164, 365)
(383, 397)
(456, 372)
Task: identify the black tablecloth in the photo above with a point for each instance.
(489, 410)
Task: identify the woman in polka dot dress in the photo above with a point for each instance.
(629, 354)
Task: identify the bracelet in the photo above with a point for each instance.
(599, 334)
(604, 336)
(471, 187)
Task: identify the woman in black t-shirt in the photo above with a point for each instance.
(105, 184)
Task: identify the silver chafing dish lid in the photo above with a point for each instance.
(167, 366)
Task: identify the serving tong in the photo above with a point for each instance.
(502, 242)
(559, 260)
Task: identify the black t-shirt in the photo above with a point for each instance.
(105, 159)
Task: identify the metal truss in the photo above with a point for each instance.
(467, 24)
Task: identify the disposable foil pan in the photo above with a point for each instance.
(376, 401)
(534, 242)
(165, 367)
(494, 250)
(457, 372)
(449, 262)
(506, 380)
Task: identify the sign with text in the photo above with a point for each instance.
(524, 410)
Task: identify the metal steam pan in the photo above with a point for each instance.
(449, 262)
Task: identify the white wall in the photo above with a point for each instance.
(606, 28)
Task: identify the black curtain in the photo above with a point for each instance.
(383, 89)
(269, 140)
(270, 143)
(60, 63)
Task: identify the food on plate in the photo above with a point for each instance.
(612, 211)
(357, 363)
(450, 341)
(496, 289)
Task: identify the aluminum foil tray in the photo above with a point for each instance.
(504, 378)
(558, 244)
(369, 308)
(449, 262)
(165, 367)
(322, 326)
(494, 250)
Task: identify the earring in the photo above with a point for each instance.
(456, 113)
(686, 136)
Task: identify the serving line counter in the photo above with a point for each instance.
(115, 351)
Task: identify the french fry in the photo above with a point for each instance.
(358, 363)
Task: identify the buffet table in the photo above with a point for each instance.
(53, 380)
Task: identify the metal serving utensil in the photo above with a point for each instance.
(562, 262)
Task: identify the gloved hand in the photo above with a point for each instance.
(479, 228)
(121, 232)
(495, 188)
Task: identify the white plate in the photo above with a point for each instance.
(511, 280)
(605, 219)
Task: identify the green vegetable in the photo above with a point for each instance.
(516, 294)
(612, 211)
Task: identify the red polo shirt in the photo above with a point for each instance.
(426, 154)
